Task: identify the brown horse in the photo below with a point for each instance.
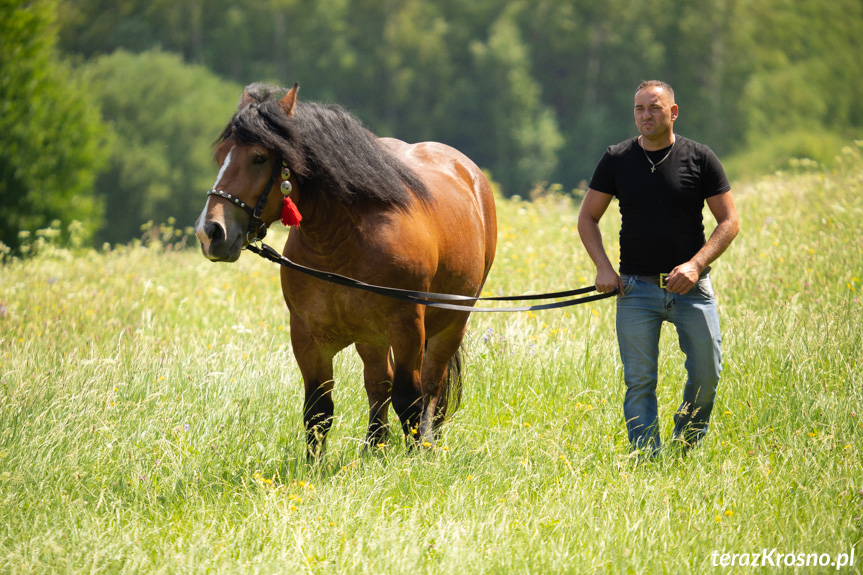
(418, 217)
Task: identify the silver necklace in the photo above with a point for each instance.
(652, 165)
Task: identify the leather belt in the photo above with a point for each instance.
(659, 279)
(656, 279)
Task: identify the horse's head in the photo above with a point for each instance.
(251, 156)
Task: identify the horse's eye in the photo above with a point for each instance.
(259, 159)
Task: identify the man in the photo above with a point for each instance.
(661, 181)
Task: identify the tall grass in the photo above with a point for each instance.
(150, 416)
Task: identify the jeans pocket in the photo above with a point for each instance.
(705, 288)
(628, 284)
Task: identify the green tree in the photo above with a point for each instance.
(164, 116)
(408, 42)
(520, 139)
(807, 73)
(589, 55)
(538, 84)
(50, 134)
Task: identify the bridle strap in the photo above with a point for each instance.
(236, 201)
(257, 228)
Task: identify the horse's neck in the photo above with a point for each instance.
(327, 226)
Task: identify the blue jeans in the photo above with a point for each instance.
(640, 313)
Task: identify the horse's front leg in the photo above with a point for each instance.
(316, 367)
(378, 378)
(317, 415)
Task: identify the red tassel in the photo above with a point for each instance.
(290, 214)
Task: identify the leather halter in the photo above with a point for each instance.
(257, 228)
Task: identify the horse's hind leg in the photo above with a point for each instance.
(441, 350)
(378, 377)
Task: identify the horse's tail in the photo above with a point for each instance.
(452, 386)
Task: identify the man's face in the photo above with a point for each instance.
(654, 113)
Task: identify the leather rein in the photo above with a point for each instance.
(258, 229)
(436, 300)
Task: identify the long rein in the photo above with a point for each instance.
(434, 299)
(257, 230)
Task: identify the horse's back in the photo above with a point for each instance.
(462, 206)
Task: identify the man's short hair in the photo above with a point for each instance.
(656, 84)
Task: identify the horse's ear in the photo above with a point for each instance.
(290, 99)
(246, 99)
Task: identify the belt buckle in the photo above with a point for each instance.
(662, 280)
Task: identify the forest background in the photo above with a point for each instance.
(108, 108)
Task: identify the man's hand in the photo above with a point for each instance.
(682, 278)
(607, 280)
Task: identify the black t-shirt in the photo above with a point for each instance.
(661, 212)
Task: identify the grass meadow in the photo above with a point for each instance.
(150, 416)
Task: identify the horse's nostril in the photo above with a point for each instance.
(215, 232)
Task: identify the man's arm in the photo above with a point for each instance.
(592, 209)
(683, 277)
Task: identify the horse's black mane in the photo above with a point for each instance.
(327, 146)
